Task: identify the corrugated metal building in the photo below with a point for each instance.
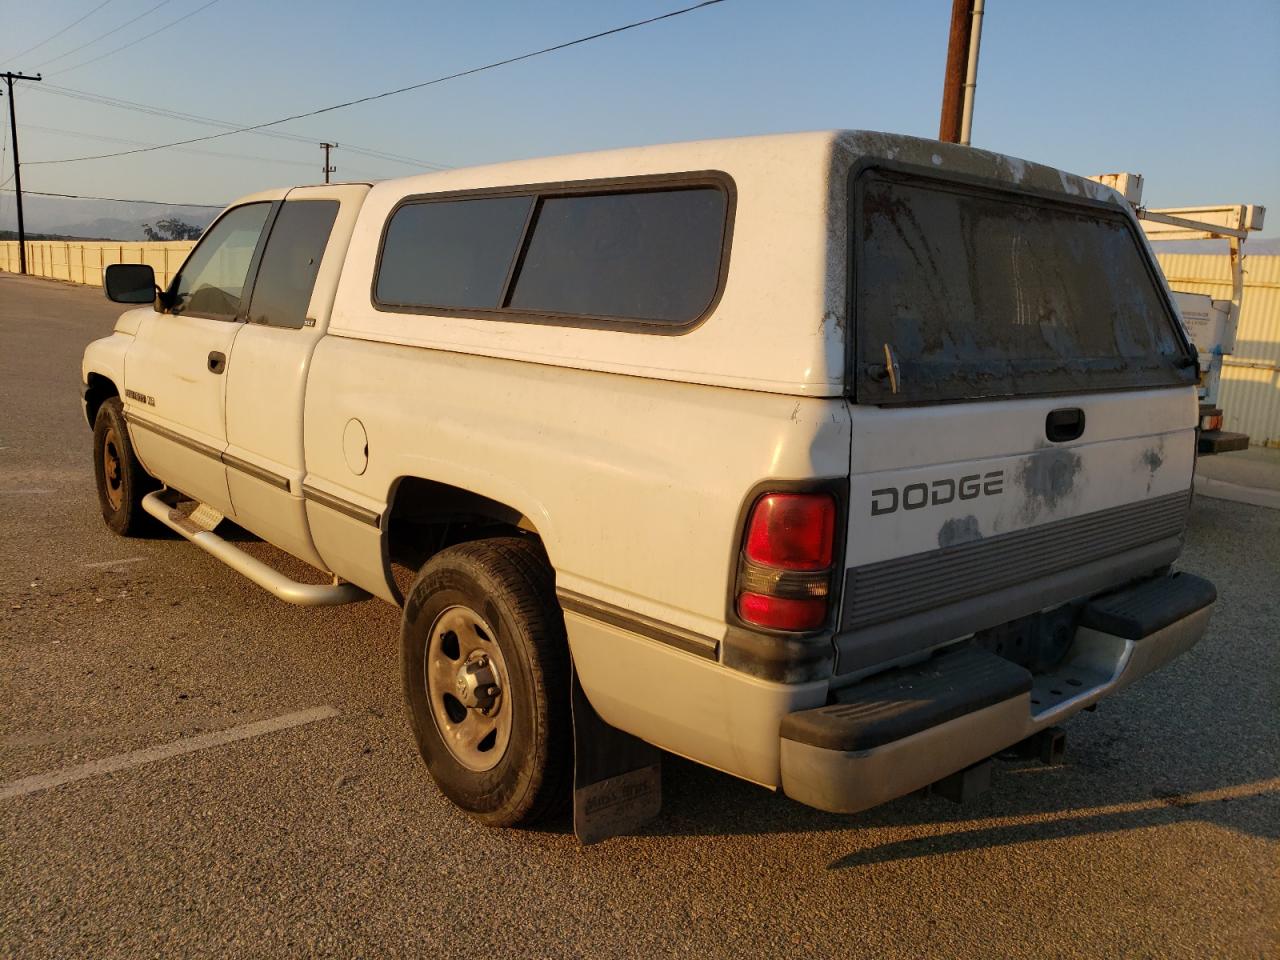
(1250, 395)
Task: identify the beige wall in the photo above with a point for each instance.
(1250, 394)
(82, 261)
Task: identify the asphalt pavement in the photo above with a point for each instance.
(189, 767)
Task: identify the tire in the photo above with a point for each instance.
(483, 615)
(121, 481)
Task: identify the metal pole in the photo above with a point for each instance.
(953, 78)
(17, 167)
(971, 76)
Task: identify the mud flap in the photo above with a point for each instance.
(617, 778)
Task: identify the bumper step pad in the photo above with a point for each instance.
(908, 700)
(1222, 441)
(1140, 611)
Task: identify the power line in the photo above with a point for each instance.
(89, 43)
(4, 149)
(392, 93)
(55, 36)
(145, 36)
(155, 111)
(203, 153)
(76, 196)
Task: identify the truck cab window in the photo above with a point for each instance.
(291, 262)
(211, 282)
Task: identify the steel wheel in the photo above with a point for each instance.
(119, 477)
(113, 481)
(468, 688)
(485, 665)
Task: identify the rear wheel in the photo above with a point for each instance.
(122, 483)
(485, 667)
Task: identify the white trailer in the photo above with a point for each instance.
(1210, 324)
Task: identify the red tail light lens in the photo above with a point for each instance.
(794, 531)
(784, 576)
(781, 613)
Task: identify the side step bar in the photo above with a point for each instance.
(290, 591)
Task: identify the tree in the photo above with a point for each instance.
(172, 229)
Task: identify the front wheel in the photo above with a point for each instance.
(122, 483)
(485, 666)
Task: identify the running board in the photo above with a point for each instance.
(290, 591)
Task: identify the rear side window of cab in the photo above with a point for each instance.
(637, 254)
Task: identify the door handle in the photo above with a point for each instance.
(217, 361)
(1061, 426)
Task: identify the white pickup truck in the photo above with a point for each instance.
(839, 462)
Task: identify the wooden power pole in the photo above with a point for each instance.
(17, 166)
(326, 147)
(953, 80)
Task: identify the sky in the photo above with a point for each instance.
(1183, 91)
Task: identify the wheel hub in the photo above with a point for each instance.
(466, 682)
(477, 684)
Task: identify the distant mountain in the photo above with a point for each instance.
(94, 219)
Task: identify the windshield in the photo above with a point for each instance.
(965, 292)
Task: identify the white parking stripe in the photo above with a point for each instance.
(136, 758)
(115, 563)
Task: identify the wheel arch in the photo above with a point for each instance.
(98, 390)
(424, 516)
(102, 371)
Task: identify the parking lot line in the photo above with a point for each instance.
(165, 751)
(114, 563)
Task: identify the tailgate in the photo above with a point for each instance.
(957, 524)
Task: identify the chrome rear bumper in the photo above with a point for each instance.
(845, 757)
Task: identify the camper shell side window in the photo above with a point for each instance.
(637, 254)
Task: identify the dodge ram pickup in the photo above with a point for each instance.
(839, 462)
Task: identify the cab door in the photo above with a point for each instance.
(175, 370)
(287, 315)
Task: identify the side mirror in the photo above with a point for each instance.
(129, 283)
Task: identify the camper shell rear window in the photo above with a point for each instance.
(647, 254)
(963, 290)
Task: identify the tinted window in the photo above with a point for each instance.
(291, 261)
(451, 253)
(642, 256)
(986, 293)
(211, 281)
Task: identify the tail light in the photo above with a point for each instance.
(784, 573)
(1211, 421)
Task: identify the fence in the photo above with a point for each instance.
(1250, 393)
(83, 261)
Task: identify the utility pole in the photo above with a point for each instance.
(328, 169)
(953, 79)
(960, 82)
(971, 74)
(17, 166)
